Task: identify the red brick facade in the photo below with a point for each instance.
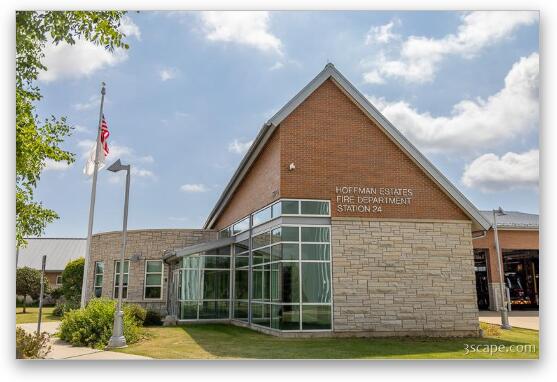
(333, 143)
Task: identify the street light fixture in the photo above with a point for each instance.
(118, 340)
(503, 309)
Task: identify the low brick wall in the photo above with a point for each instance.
(141, 245)
(403, 278)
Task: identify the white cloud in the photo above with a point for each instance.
(420, 57)
(381, 34)
(93, 102)
(373, 77)
(196, 187)
(129, 28)
(474, 124)
(241, 27)
(82, 129)
(51, 165)
(65, 61)
(238, 147)
(492, 173)
(277, 65)
(166, 74)
(125, 153)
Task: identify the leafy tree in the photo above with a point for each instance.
(38, 140)
(72, 279)
(28, 283)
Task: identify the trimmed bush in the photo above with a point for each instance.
(135, 311)
(31, 346)
(152, 318)
(72, 279)
(92, 326)
(62, 308)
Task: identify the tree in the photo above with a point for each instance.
(72, 279)
(28, 283)
(38, 140)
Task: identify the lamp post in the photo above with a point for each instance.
(503, 309)
(118, 340)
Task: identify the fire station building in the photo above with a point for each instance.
(334, 224)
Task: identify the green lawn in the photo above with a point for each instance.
(32, 315)
(209, 341)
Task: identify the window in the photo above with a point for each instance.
(99, 276)
(314, 207)
(153, 279)
(204, 284)
(241, 226)
(117, 278)
(291, 288)
(59, 280)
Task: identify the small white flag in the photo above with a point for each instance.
(89, 168)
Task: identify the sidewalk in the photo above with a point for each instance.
(521, 319)
(63, 350)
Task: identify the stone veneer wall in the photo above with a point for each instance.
(398, 278)
(148, 244)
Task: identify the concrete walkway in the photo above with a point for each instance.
(527, 319)
(63, 350)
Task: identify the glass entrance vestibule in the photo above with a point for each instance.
(276, 277)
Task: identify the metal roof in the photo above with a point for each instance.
(58, 251)
(479, 221)
(514, 219)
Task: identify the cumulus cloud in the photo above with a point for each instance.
(194, 187)
(381, 34)
(238, 147)
(420, 57)
(82, 59)
(129, 28)
(490, 172)
(241, 27)
(166, 74)
(474, 124)
(52, 165)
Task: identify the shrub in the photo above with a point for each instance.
(72, 279)
(135, 311)
(92, 326)
(63, 307)
(31, 346)
(490, 330)
(153, 318)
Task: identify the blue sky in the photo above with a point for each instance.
(194, 89)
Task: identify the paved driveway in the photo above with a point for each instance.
(63, 350)
(521, 319)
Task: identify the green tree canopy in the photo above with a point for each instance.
(72, 279)
(28, 283)
(36, 139)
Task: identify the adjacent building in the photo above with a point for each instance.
(333, 224)
(58, 251)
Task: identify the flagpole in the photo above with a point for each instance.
(84, 288)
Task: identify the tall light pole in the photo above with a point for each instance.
(503, 309)
(118, 340)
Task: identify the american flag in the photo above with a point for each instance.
(104, 136)
(90, 164)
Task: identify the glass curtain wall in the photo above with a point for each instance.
(204, 285)
(291, 278)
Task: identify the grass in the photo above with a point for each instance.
(218, 341)
(32, 315)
